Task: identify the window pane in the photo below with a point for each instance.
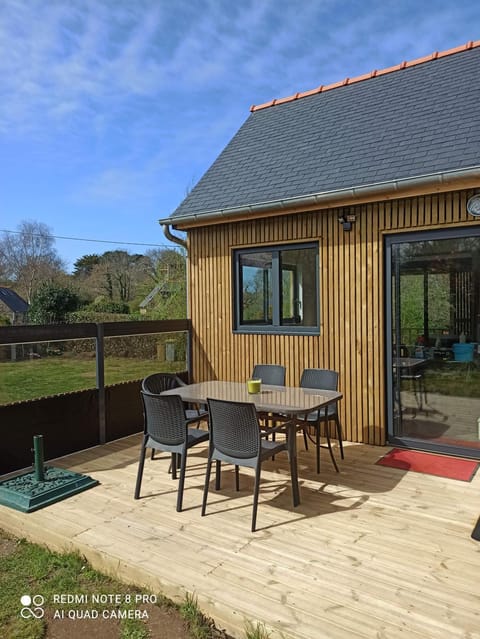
(276, 289)
(256, 288)
(299, 287)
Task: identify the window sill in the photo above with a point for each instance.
(276, 330)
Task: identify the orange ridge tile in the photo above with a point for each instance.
(471, 44)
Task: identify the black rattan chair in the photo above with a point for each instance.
(324, 379)
(166, 428)
(414, 375)
(159, 382)
(273, 374)
(156, 383)
(235, 438)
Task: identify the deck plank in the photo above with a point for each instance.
(370, 552)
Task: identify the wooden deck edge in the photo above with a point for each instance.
(16, 524)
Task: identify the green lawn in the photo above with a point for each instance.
(52, 375)
(456, 379)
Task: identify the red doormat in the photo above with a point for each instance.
(440, 465)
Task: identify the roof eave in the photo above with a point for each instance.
(392, 189)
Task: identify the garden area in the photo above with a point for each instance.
(30, 379)
(458, 379)
(42, 369)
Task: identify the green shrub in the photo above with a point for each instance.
(52, 303)
(87, 315)
(109, 306)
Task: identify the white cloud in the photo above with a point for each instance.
(63, 58)
(162, 86)
(117, 184)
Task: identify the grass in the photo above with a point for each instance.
(454, 378)
(31, 569)
(27, 568)
(30, 379)
(256, 631)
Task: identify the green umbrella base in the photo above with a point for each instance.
(24, 492)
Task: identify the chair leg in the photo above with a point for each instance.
(205, 488)
(330, 449)
(305, 440)
(423, 389)
(237, 479)
(152, 456)
(141, 463)
(173, 465)
(339, 435)
(217, 474)
(255, 496)
(181, 483)
(317, 445)
(418, 393)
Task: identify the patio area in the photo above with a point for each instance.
(370, 552)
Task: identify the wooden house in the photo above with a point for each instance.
(340, 229)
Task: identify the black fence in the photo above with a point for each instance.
(74, 421)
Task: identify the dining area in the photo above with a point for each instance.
(363, 546)
(243, 424)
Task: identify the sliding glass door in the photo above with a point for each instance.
(433, 340)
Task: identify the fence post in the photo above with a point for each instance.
(100, 377)
(188, 353)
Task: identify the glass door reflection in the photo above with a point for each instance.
(434, 341)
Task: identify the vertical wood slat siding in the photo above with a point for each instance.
(352, 284)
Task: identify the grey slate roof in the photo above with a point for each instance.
(412, 122)
(14, 302)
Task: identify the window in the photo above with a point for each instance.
(276, 289)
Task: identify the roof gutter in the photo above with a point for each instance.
(339, 197)
(169, 235)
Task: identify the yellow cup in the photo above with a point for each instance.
(254, 385)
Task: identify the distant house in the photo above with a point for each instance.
(339, 225)
(13, 305)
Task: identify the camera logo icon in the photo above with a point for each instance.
(32, 606)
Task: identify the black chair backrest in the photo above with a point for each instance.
(234, 428)
(273, 374)
(165, 420)
(159, 382)
(322, 378)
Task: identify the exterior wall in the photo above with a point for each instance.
(351, 337)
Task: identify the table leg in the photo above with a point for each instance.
(292, 453)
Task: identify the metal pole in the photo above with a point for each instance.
(100, 374)
(188, 354)
(38, 458)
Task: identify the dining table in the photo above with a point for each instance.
(291, 401)
(408, 362)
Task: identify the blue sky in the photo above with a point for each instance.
(111, 110)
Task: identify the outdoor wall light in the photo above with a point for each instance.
(473, 205)
(346, 220)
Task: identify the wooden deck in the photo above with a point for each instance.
(370, 552)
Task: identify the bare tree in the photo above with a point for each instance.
(166, 265)
(167, 269)
(28, 257)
